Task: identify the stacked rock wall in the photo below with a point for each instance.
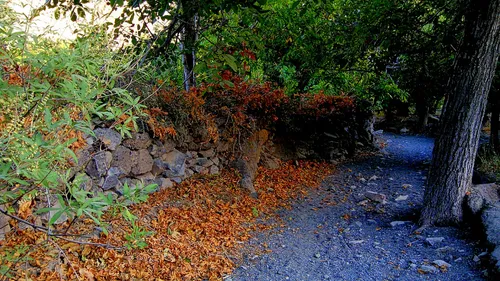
(109, 161)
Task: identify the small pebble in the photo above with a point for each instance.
(428, 269)
(441, 263)
(434, 240)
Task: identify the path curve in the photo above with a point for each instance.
(322, 239)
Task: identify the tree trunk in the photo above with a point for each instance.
(189, 37)
(455, 149)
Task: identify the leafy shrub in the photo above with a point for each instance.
(51, 92)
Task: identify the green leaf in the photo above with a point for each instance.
(231, 61)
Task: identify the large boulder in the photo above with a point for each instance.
(482, 195)
(247, 162)
(109, 137)
(491, 222)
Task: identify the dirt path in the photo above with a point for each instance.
(337, 234)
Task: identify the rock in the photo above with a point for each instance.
(214, 170)
(208, 153)
(189, 173)
(85, 181)
(426, 269)
(377, 197)
(175, 161)
(476, 259)
(124, 159)
(434, 240)
(445, 249)
(112, 178)
(270, 162)
(83, 157)
(164, 183)
(176, 179)
(373, 178)
(404, 131)
(249, 158)
(205, 162)
(495, 256)
(401, 198)
(99, 165)
(200, 169)
(223, 146)
(441, 263)
(491, 222)
(143, 163)
(216, 161)
(159, 167)
(481, 196)
(397, 223)
(109, 137)
(4, 224)
(145, 177)
(138, 141)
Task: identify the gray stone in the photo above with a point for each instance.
(109, 137)
(441, 263)
(4, 224)
(189, 173)
(138, 141)
(481, 196)
(216, 160)
(176, 179)
(377, 197)
(401, 198)
(208, 153)
(143, 163)
(124, 159)
(159, 167)
(85, 181)
(205, 162)
(491, 222)
(164, 183)
(158, 150)
(200, 169)
(145, 177)
(99, 165)
(112, 178)
(214, 170)
(175, 162)
(428, 269)
(495, 255)
(397, 223)
(434, 240)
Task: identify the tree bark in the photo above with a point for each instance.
(455, 149)
(188, 41)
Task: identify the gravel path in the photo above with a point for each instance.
(337, 234)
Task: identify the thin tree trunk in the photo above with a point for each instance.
(455, 150)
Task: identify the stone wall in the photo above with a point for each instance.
(109, 161)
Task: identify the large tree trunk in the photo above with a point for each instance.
(455, 150)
